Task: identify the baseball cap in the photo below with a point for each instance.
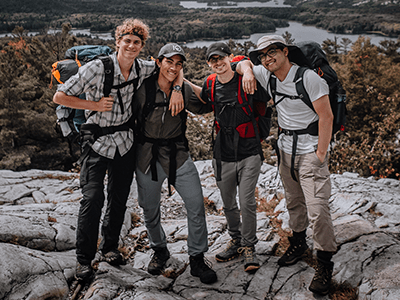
(266, 41)
(170, 50)
(218, 48)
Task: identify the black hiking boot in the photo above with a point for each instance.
(113, 257)
(199, 267)
(157, 262)
(295, 252)
(251, 263)
(230, 252)
(322, 278)
(83, 272)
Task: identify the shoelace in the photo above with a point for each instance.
(320, 274)
(248, 253)
(290, 250)
(231, 244)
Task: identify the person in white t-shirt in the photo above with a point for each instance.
(304, 168)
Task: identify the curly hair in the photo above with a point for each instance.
(135, 27)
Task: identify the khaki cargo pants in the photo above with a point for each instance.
(308, 199)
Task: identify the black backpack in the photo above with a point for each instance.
(309, 55)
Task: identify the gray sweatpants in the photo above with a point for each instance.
(188, 185)
(243, 175)
(308, 199)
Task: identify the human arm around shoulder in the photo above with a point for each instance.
(193, 100)
(176, 103)
(196, 89)
(323, 109)
(245, 68)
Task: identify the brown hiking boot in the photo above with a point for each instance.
(322, 278)
(157, 262)
(251, 263)
(295, 252)
(230, 252)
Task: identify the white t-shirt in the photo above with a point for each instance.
(295, 114)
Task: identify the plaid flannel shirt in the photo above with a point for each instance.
(90, 80)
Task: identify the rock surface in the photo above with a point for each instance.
(38, 214)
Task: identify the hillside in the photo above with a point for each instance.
(102, 15)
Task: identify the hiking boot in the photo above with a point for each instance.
(230, 252)
(200, 267)
(83, 272)
(295, 252)
(157, 262)
(114, 258)
(251, 263)
(322, 278)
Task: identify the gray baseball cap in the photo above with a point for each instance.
(170, 50)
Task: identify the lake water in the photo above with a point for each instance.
(195, 4)
(299, 33)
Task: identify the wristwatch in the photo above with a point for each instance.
(177, 88)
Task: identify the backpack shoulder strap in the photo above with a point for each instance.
(211, 85)
(272, 87)
(300, 89)
(150, 87)
(108, 74)
(137, 68)
(183, 115)
(247, 107)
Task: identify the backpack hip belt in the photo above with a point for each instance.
(312, 129)
(89, 133)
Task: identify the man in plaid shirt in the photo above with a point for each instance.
(111, 153)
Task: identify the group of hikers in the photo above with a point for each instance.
(142, 131)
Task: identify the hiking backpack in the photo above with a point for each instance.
(76, 57)
(258, 127)
(309, 55)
